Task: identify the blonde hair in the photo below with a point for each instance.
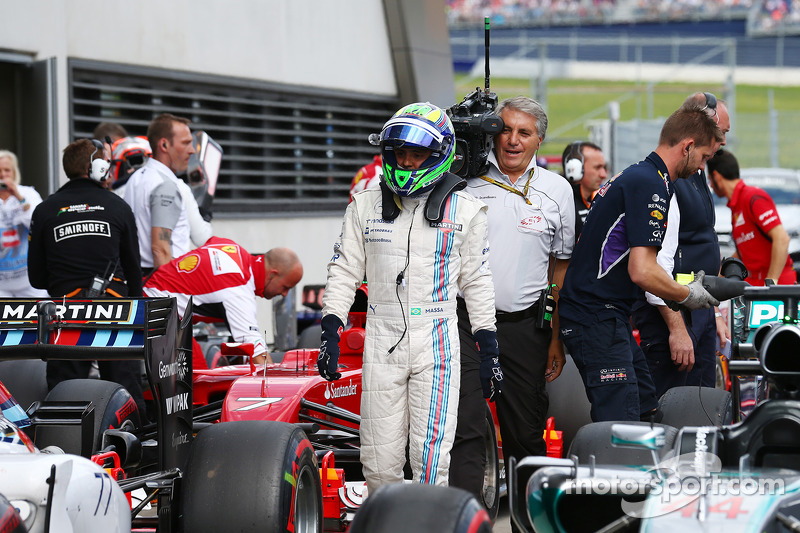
(14, 163)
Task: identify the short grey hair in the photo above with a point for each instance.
(529, 106)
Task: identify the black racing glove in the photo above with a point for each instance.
(490, 372)
(328, 360)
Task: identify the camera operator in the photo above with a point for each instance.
(531, 224)
(83, 244)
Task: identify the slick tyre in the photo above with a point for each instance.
(252, 476)
(404, 507)
(595, 439)
(490, 493)
(113, 406)
(696, 406)
(25, 379)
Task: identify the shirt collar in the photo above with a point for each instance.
(495, 172)
(661, 167)
(737, 192)
(159, 166)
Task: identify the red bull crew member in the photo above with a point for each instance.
(616, 257)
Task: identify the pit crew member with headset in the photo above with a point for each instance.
(419, 239)
(531, 220)
(681, 348)
(586, 170)
(223, 280)
(83, 244)
(615, 258)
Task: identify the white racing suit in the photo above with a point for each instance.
(411, 371)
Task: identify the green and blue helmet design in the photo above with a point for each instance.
(420, 125)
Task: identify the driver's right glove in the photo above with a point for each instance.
(328, 360)
(491, 375)
(698, 297)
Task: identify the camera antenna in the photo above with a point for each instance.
(486, 60)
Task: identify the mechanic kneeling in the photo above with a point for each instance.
(83, 244)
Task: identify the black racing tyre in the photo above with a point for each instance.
(403, 507)
(113, 405)
(310, 338)
(490, 493)
(595, 439)
(252, 475)
(696, 406)
(25, 379)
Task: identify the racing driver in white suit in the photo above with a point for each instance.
(419, 239)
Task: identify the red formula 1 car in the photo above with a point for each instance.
(293, 391)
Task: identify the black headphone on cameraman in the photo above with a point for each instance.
(98, 168)
(573, 163)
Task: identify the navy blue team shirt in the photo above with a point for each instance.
(629, 210)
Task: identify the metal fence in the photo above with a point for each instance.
(653, 65)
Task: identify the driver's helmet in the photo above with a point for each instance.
(128, 155)
(417, 125)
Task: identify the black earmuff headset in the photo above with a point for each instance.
(711, 102)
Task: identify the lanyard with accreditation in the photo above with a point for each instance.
(523, 193)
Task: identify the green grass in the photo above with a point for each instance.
(571, 104)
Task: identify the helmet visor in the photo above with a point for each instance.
(401, 131)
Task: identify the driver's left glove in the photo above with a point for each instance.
(328, 360)
(491, 374)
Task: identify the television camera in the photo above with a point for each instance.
(475, 125)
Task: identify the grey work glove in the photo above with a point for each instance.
(698, 297)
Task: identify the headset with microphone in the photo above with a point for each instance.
(98, 168)
(573, 162)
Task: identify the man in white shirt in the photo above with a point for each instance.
(532, 232)
(155, 194)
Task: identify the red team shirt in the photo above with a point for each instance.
(223, 280)
(753, 215)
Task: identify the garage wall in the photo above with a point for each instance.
(344, 45)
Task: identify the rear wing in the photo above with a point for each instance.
(109, 330)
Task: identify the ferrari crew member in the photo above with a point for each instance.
(367, 177)
(223, 280)
(683, 351)
(762, 242)
(83, 244)
(419, 239)
(616, 257)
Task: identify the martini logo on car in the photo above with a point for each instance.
(77, 311)
(332, 391)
